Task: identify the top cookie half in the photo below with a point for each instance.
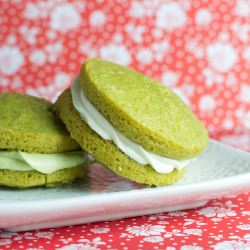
(28, 124)
(143, 110)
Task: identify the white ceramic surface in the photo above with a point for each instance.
(219, 171)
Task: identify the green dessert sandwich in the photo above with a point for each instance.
(130, 123)
(35, 147)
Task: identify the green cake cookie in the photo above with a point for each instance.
(131, 123)
(35, 147)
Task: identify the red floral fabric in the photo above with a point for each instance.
(200, 49)
(220, 225)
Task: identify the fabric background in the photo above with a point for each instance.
(200, 49)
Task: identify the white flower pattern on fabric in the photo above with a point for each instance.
(244, 227)
(154, 239)
(244, 94)
(228, 124)
(241, 31)
(136, 32)
(64, 18)
(240, 244)
(246, 54)
(218, 212)
(44, 235)
(29, 34)
(191, 247)
(177, 213)
(203, 17)
(207, 103)
(145, 56)
(84, 244)
(97, 18)
(38, 9)
(246, 212)
(242, 8)
(137, 9)
(100, 230)
(246, 120)
(212, 77)
(51, 91)
(196, 222)
(171, 16)
(175, 232)
(79, 246)
(37, 57)
(115, 53)
(11, 59)
(31, 11)
(62, 80)
(53, 51)
(222, 57)
(146, 230)
(193, 231)
(170, 78)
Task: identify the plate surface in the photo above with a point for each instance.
(219, 171)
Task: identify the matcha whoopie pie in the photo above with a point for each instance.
(130, 123)
(35, 147)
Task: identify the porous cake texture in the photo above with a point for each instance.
(105, 151)
(28, 124)
(25, 179)
(143, 110)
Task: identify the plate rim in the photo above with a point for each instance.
(238, 180)
(227, 182)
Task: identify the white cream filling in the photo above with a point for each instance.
(43, 163)
(104, 128)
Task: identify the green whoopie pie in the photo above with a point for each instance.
(28, 125)
(142, 110)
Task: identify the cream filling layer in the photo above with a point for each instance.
(103, 128)
(43, 163)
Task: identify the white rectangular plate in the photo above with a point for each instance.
(219, 171)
